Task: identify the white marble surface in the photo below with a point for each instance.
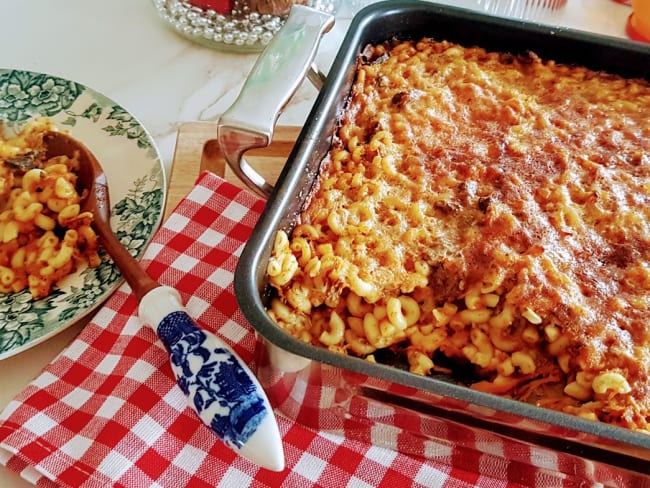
(120, 48)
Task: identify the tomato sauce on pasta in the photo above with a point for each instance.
(489, 209)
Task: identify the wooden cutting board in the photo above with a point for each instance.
(197, 150)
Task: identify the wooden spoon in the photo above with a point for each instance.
(220, 387)
(91, 177)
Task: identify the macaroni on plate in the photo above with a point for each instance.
(484, 215)
(44, 235)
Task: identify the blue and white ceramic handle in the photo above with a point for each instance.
(220, 387)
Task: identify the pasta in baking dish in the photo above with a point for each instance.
(485, 213)
(43, 233)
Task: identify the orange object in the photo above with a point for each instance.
(638, 23)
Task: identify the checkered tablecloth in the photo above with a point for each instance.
(107, 412)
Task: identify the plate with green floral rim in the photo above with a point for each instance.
(137, 186)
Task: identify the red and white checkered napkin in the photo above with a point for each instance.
(107, 411)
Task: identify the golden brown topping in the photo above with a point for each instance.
(514, 194)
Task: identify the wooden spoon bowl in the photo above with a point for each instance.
(91, 179)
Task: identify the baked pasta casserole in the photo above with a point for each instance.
(44, 234)
(484, 215)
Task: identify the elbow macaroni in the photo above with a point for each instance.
(458, 222)
(43, 234)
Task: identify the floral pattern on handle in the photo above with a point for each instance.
(218, 387)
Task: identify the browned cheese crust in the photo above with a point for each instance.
(508, 197)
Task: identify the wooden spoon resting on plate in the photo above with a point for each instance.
(220, 387)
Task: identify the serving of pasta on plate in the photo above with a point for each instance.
(44, 235)
(52, 271)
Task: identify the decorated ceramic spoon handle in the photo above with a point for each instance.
(220, 387)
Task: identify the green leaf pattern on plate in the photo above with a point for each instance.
(136, 216)
(24, 95)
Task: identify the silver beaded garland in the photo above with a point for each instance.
(241, 30)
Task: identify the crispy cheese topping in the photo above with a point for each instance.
(484, 182)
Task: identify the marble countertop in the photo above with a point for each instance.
(123, 50)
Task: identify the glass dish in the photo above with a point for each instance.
(233, 27)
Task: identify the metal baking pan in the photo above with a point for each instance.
(333, 391)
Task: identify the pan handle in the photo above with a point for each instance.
(277, 74)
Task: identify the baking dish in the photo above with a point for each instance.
(385, 404)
